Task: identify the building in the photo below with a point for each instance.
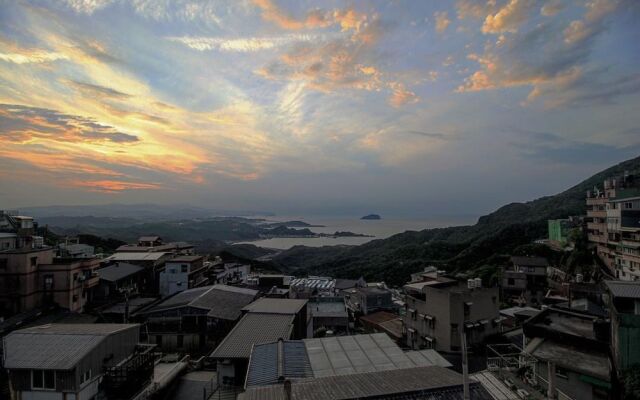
(329, 314)
(624, 306)
(439, 309)
(525, 281)
(559, 230)
(155, 244)
(513, 317)
(152, 262)
(348, 284)
(118, 279)
(367, 300)
(76, 250)
(431, 382)
(63, 361)
(181, 273)
(195, 320)
(572, 350)
(383, 322)
(233, 353)
(295, 307)
(313, 286)
(613, 225)
(69, 282)
(273, 362)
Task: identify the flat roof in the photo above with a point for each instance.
(587, 361)
(335, 309)
(187, 259)
(253, 329)
(276, 306)
(55, 346)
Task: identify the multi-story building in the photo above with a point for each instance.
(525, 281)
(76, 361)
(182, 273)
(439, 309)
(370, 299)
(613, 225)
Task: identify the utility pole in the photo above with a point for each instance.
(465, 366)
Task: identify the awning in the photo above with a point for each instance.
(428, 317)
(469, 325)
(428, 339)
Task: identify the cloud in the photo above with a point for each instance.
(442, 21)
(245, 45)
(32, 56)
(112, 186)
(509, 17)
(477, 9)
(101, 92)
(24, 123)
(87, 6)
(401, 96)
(552, 7)
(347, 19)
(556, 71)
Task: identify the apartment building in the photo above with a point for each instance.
(439, 309)
(182, 273)
(613, 225)
(524, 282)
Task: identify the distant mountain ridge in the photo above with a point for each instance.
(458, 249)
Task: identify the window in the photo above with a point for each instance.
(180, 341)
(185, 268)
(34, 261)
(561, 373)
(628, 205)
(48, 282)
(86, 376)
(43, 379)
(467, 309)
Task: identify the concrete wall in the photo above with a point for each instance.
(572, 385)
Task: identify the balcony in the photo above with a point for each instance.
(597, 213)
(597, 238)
(597, 226)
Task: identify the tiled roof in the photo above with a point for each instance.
(276, 306)
(118, 271)
(413, 383)
(254, 328)
(624, 289)
(55, 346)
(221, 301)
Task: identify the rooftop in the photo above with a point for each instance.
(624, 289)
(254, 329)
(185, 259)
(414, 383)
(565, 322)
(55, 346)
(118, 271)
(221, 301)
(276, 306)
(363, 353)
(270, 362)
(128, 256)
(328, 308)
(530, 261)
(585, 360)
(314, 283)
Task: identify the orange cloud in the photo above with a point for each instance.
(112, 186)
(442, 21)
(348, 19)
(509, 17)
(400, 95)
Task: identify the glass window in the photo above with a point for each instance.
(185, 268)
(180, 341)
(43, 379)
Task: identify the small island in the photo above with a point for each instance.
(371, 216)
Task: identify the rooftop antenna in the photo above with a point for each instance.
(465, 367)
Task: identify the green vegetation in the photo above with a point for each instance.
(476, 250)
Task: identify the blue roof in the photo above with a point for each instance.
(272, 362)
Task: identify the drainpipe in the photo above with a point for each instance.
(551, 376)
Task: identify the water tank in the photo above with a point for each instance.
(478, 282)
(471, 283)
(579, 278)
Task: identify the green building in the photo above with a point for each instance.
(559, 230)
(624, 300)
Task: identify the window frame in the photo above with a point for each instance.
(43, 379)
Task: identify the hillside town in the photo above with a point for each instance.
(155, 320)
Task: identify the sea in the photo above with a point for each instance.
(376, 229)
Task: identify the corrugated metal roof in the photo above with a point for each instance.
(55, 346)
(221, 301)
(314, 283)
(143, 256)
(118, 271)
(254, 329)
(624, 289)
(415, 383)
(276, 306)
(281, 359)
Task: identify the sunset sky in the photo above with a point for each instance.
(397, 107)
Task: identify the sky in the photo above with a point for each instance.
(406, 108)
